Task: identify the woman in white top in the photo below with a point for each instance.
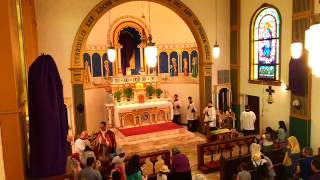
(210, 116)
(192, 115)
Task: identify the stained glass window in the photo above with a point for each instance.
(265, 45)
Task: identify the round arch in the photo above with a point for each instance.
(128, 18)
(117, 30)
(177, 6)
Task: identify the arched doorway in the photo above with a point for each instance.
(185, 13)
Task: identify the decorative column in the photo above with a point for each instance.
(102, 63)
(141, 56)
(90, 54)
(217, 101)
(119, 60)
(109, 109)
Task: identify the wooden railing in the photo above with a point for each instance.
(219, 149)
(152, 162)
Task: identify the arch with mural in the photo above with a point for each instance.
(77, 64)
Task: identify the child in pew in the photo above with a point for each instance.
(243, 173)
(267, 140)
(163, 173)
(304, 167)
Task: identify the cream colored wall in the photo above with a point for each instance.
(166, 29)
(59, 20)
(94, 108)
(280, 109)
(183, 91)
(315, 114)
(316, 6)
(315, 99)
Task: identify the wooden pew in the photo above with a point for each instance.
(153, 157)
(229, 166)
(220, 148)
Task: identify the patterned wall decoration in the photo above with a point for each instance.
(87, 58)
(163, 62)
(182, 54)
(174, 63)
(194, 65)
(107, 66)
(96, 65)
(185, 63)
(223, 76)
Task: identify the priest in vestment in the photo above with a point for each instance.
(105, 143)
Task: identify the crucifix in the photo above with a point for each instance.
(270, 91)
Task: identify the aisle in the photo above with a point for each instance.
(165, 140)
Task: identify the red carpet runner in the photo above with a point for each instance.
(149, 129)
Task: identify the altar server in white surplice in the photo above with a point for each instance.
(247, 119)
(210, 116)
(192, 115)
(176, 109)
(81, 143)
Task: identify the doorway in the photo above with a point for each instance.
(254, 103)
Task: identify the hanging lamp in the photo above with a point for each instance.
(296, 48)
(111, 50)
(312, 37)
(216, 47)
(151, 50)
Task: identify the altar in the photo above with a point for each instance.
(139, 114)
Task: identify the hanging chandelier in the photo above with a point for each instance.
(216, 50)
(216, 47)
(296, 50)
(312, 37)
(151, 50)
(112, 54)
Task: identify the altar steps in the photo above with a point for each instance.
(163, 140)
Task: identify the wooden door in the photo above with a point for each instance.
(254, 103)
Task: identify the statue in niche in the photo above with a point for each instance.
(194, 66)
(185, 67)
(106, 67)
(87, 72)
(174, 67)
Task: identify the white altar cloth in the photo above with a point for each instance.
(130, 107)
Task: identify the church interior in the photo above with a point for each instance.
(185, 89)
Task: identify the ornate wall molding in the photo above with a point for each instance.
(161, 47)
(127, 20)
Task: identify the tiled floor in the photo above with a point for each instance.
(165, 140)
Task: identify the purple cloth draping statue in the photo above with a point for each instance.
(48, 121)
(298, 77)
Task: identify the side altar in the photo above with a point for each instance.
(137, 101)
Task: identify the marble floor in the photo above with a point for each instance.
(165, 140)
